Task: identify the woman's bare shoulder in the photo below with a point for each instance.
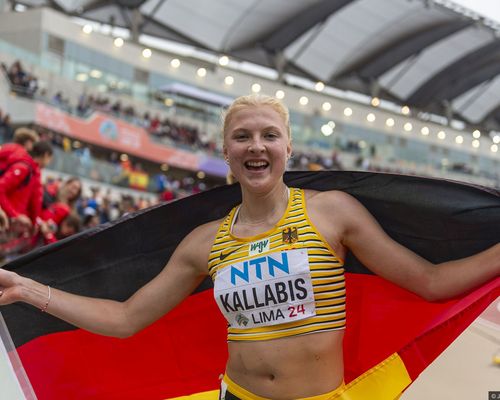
(196, 246)
(205, 233)
(333, 205)
(328, 197)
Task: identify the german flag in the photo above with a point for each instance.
(391, 335)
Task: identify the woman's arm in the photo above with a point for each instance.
(185, 270)
(361, 233)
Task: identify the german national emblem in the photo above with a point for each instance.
(290, 235)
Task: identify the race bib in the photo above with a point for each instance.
(266, 290)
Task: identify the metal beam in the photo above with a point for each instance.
(155, 27)
(149, 24)
(153, 12)
(382, 60)
(462, 85)
(294, 27)
(94, 5)
(492, 115)
(133, 4)
(473, 67)
(56, 6)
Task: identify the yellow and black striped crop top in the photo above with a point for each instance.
(284, 282)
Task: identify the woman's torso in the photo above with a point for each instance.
(304, 365)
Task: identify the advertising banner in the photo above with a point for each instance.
(113, 133)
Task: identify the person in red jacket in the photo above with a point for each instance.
(21, 187)
(23, 142)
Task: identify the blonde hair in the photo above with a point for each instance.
(256, 100)
(230, 178)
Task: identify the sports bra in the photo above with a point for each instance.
(280, 283)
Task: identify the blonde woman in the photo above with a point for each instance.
(277, 265)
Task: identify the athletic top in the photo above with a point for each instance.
(283, 282)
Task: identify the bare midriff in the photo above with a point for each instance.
(288, 368)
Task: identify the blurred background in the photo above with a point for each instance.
(130, 92)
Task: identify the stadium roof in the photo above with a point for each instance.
(429, 54)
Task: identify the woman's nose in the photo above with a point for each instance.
(256, 146)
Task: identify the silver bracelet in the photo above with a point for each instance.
(44, 308)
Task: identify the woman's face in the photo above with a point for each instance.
(72, 189)
(257, 146)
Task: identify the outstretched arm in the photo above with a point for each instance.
(185, 270)
(376, 250)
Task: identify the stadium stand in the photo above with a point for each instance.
(76, 88)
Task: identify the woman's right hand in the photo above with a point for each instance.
(10, 290)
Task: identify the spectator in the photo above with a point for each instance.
(154, 126)
(116, 108)
(69, 226)
(22, 82)
(90, 218)
(59, 201)
(16, 74)
(21, 187)
(68, 192)
(128, 205)
(24, 139)
(6, 128)
(10, 153)
(146, 121)
(58, 99)
(83, 105)
(108, 211)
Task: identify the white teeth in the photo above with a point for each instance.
(256, 164)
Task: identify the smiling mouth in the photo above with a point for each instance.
(256, 165)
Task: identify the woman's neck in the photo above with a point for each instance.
(259, 209)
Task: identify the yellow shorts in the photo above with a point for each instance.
(230, 390)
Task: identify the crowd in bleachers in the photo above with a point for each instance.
(158, 126)
(183, 133)
(162, 127)
(65, 209)
(25, 83)
(21, 80)
(314, 161)
(41, 213)
(88, 163)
